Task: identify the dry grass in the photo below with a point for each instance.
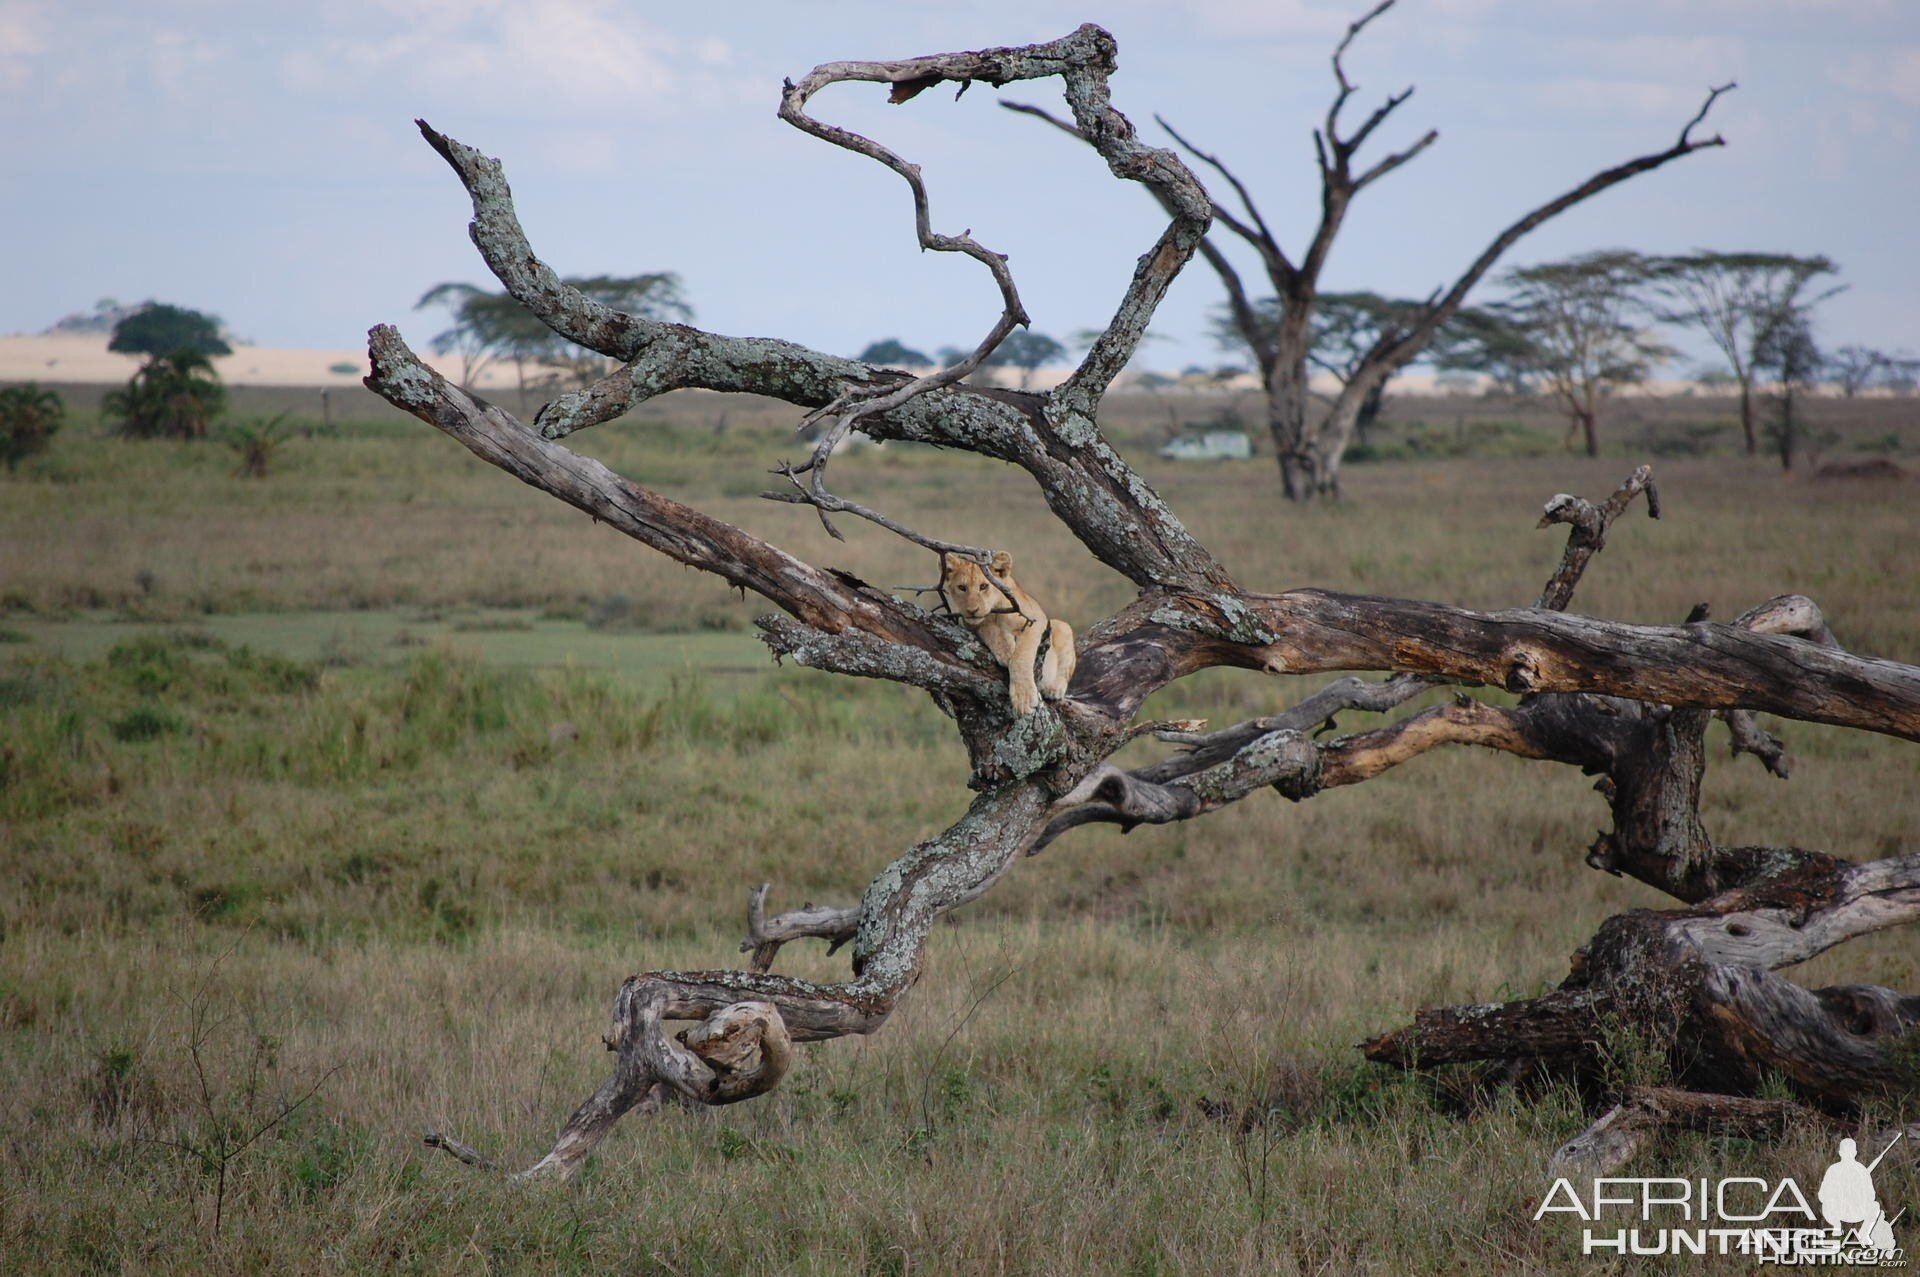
(395, 868)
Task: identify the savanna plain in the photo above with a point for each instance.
(335, 805)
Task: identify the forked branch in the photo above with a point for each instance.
(765, 935)
(1589, 523)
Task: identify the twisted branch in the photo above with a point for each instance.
(914, 75)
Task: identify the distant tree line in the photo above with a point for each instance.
(1023, 348)
(1581, 329)
(1578, 331)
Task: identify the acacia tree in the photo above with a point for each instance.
(489, 326)
(1487, 341)
(1310, 450)
(1857, 368)
(156, 329)
(1740, 301)
(1629, 700)
(1028, 351)
(1854, 368)
(1345, 329)
(176, 393)
(895, 353)
(1580, 316)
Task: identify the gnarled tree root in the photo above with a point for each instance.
(1698, 987)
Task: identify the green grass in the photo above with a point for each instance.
(494, 636)
(367, 764)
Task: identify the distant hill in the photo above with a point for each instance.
(105, 314)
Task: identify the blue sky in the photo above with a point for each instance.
(258, 160)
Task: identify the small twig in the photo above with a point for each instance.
(826, 502)
(1258, 234)
(926, 1085)
(1712, 96)
(464, 1152)
(1347, 88)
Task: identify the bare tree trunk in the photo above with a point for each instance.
(1371, 405)
(1747, 430)
(1310, 457)
(1789, 429)
(1287, 400)
(1366, 386)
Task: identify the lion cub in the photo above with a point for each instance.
(1012, 628)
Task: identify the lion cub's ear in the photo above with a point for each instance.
(1002, 564)
(946, 564)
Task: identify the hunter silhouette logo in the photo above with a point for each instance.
(1849, 1204)
(1767, 1222)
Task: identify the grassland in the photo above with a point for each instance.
(379, 774)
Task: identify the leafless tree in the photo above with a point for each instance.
(1743, 302)
(1310, 450)
(1853, 368)
(1630, 698)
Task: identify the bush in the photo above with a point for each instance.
(175, 396)
(29, 417)
(1688, 439)
(254, 443)
(147, 722)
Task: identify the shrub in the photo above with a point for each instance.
(29, 417)
(254, 443)
(148, 722)
(174, 396)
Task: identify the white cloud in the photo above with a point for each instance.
(572, 53)
(1708, 57)
(1262, 18)
(1602, 98)
(1893, 73)
(23, 37)
(177, 60)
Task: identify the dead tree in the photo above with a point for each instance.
(1310, 450)
(1037, 775)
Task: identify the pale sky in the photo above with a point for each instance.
(258, 160)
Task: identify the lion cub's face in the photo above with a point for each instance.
(969, 595)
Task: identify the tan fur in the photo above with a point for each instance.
(1011, 627)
